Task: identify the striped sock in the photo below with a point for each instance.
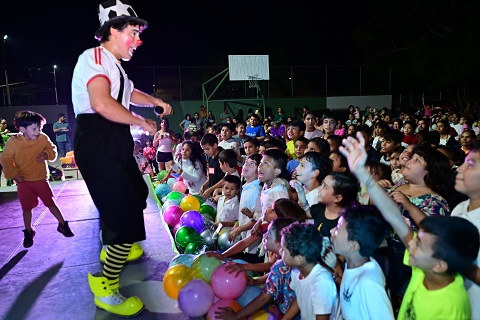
(116, 256)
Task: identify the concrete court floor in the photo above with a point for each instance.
(49, 279)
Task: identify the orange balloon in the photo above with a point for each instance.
(190, 203)
(175, 278)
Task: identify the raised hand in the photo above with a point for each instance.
(354, 151)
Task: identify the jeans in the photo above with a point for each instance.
(63, 148)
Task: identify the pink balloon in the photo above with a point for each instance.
(172, 215)
(176, 227)
(226, 285)
(179, 186)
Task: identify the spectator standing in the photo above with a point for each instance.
(61, 129)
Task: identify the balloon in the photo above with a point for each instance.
(190, 203)
(172, 215)
(195, 298)
(227, 285)
(162, 174)
(222, 303)
(185, 259)
(250, 293)
(262, 315)
(175, 278)
(207, 235)
(208, 210)
(185, 235)
(170, 203)
(195, 247)
(203, 267)
(175, 196)
(200, 198)
(175, 228)
(179, 186)
(171, 181)
(156, 183)
(223, 242)
(162, 190)
(193, 219)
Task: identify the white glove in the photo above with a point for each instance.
(330, 259)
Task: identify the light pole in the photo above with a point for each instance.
(55, 81)
(5, 67)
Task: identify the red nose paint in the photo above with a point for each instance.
(139, 42)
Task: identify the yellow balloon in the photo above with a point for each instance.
(190, 203)
(175, 278)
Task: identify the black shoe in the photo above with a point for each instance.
(65, 229)
(28, 238)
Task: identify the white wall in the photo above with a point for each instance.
(341, 103)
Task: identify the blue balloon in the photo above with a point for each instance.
(185, 259)
(250, 293)
(162, 190)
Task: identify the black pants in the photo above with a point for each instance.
(104, 155)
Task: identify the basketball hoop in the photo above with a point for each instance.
(253, 81)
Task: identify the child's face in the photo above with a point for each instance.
(326, 194)
(421, 252)
(351, 130)
(395, 161)
(336, 161)
(408, 129)
(261, 150)
(293, 132)
(333, 145)
(208, 149)
(406, 154)
(225, 133)
(468, 175)
(250, 148)
(379, 131)
(253, 122)
(210, 130)
(300, 147)
(250, 170)
(31, 132)
(225, 167)
(229, 190)
(312, 147)
(241, 130)
(387, 146)
(266, 170)
(465, 138)
(454, 118)
(271, 244)
(310, 121)
(304, 171)
(329, 125)
(287, 258)
(441, 128)
(396, 125)
(339, 237)
(186, 152)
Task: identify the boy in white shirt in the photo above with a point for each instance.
(228, 204)
(359, 232)
(301, 245)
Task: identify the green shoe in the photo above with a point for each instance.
(108, 298)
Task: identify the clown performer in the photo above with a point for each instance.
(101, 95)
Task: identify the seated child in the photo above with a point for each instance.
(301, 246)
(359, 231)
(299, 148)
(277, 285)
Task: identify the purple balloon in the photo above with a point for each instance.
(195, 298)
(193, 219)
(172, 215)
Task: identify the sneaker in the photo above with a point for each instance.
(65, 229)
(28, 238)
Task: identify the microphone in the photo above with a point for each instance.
(161, 111)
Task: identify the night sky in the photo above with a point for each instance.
(189, 33)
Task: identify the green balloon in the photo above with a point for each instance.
(186, 235)
(203, 267)
(195, 247)
(200, 199)
(162, 174)
(175, 196)
(208, 210)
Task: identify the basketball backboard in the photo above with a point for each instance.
(244, 67)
